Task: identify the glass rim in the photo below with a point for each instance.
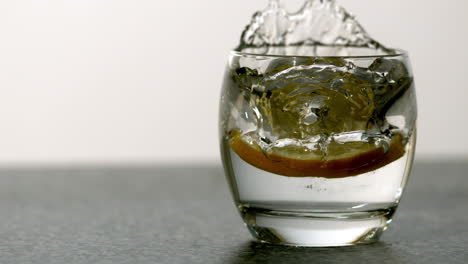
(399, 53)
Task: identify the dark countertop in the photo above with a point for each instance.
(185, 215)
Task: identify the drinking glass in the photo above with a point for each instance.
(317, 149)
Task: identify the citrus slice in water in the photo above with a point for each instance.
(342, 160)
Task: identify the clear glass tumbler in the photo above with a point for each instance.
(317, 150)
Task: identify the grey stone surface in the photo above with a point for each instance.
(185, 215)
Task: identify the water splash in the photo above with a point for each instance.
(318, 23)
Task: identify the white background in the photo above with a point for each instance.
(135, 81)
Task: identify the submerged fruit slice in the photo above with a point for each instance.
(343, 160)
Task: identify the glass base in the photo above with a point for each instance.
(316, 229)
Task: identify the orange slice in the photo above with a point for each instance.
(343, 160)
